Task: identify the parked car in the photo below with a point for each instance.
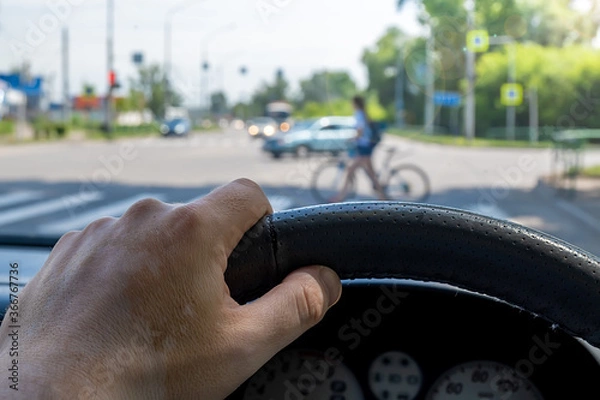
(176, 127)
(328, 134)
(262, 127)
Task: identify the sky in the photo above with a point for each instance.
(298, 36)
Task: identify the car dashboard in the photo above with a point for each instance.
(411, 341)
(405, 340)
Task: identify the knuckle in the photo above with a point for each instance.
(185, 218)
(248, 183)
(99, 224)
(68, 238)
(144, 207)
(310, 303)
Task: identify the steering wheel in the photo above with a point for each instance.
(528, 269)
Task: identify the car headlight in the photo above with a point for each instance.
(164, 129)
(269, 131)
(179, 129)
(285, 127)
(253, 130)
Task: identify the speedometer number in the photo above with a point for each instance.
(395, 375)
(483, 380)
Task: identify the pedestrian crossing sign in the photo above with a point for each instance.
(512, 94)
(478, 41)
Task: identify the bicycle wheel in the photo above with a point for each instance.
(408, 183)
(329, 179)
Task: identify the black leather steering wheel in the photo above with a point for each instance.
(523, 267)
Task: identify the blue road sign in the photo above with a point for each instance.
(447, 99)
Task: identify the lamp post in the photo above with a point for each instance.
(110, 59)
(470, 64)
(168, 42)
(204, 63)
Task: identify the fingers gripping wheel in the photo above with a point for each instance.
(526, 268)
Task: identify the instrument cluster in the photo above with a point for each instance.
(407, 341)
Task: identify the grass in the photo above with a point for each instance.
(592, 172)
(7, 128)
(463, 142)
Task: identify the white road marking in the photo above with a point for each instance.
(10, 199)
(488, 210)
(581, 215)
(46, 207)
(80, 221)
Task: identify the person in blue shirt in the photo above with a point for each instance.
(361, 152)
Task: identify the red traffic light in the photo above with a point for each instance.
(112, 79)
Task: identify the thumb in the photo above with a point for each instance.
(286, 312)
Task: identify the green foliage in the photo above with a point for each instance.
(592, 172)
(326, 86)
(44, 128)
(218, 103)
(7, 127)
(267, 93)
(314, 110)
(463, 142)
(567, 80)
(547, 22)
(341, 107)
(151, 83)
(383, 64)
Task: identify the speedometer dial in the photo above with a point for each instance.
(303, 375)
(395, 375)
(483, 380)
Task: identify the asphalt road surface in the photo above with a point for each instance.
(49, 189)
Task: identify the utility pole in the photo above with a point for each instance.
(430, 88)
(66, 109)
(110, 43)
(470, 61)
(511, 111)
(168, 56)
(533, 116)
(400, 72)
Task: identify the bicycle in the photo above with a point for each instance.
(404, 182)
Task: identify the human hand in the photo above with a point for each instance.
(138, 308)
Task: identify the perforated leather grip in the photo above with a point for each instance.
(523, 267)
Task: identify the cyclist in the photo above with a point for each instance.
(361, 153)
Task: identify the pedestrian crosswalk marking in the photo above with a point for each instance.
(9, 199)
(46, 207)
(80, 221)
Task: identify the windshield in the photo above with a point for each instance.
(494, 104)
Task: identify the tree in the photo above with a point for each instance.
(218, 103)
(567, 80)
(382, 63)
(327, 86)
(268, 93)
(150, 81)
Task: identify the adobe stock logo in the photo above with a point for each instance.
(268, 8)
(57, 13)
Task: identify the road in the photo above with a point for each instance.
(48, 189)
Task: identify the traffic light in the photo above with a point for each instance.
(112, 80)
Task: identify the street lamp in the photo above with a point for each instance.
(470, 73)
(204, 63)
(168, 44)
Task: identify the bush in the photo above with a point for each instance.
(7, 127)
(46, 129)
